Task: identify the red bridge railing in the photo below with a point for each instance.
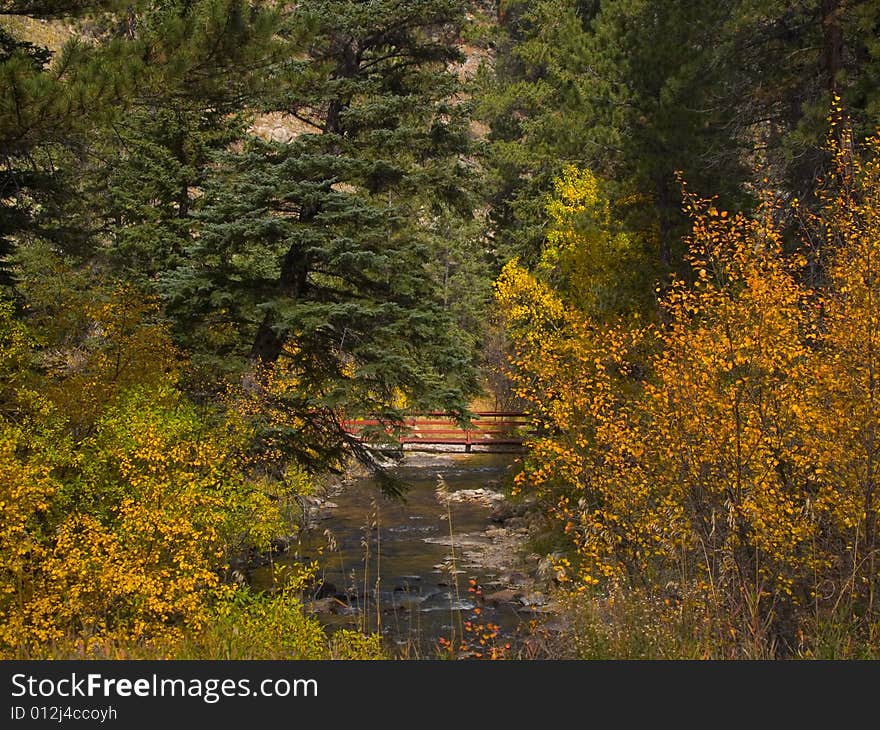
(486, 429)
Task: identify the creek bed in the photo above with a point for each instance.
(419, 568)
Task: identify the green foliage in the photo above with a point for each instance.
(626, 90)
(47, 110)
(203, 64)
(532, 101)
(150, 186)
(726, 93)
(15, 344)
(352, 645)
(249, 625)
(782, 64)
(321, 251)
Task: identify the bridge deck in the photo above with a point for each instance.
(486, 429)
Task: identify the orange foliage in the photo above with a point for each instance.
(736, 462)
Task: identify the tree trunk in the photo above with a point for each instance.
(666, 230)
(833, 47)
(271, 337)
(832, 41)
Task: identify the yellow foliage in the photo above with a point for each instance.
(738, 460)
(121, 505)
(591, 261)
(124, 346)
(346, 644)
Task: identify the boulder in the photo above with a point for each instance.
(506, 595)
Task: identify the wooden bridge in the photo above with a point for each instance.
(488, 431)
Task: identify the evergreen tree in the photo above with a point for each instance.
(314, 256)
(625, 88)
(204, 67)
(531, 99)
(45, 9)
(636, 90)
(656, 107)
(782, 63)
(49, 101)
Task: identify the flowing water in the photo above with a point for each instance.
(418, 569)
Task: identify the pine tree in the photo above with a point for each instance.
(204, 62)
(783, 63)
(626, 89)
(532, 101)
(314, 256)
(50, 102)
(636, 90)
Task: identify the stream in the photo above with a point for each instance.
(435, 566)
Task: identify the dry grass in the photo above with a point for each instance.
(51, 34)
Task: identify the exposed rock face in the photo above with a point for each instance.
(280, 127)
(474, 56)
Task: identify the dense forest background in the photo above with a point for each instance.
(228, 226)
